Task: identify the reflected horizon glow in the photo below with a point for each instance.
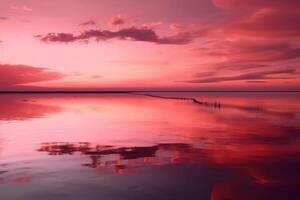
(248, 148)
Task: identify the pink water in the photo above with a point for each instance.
(131, 146)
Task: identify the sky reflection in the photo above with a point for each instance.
(249, 148)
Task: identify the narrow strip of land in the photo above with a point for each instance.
(194, 100)
(139, 91)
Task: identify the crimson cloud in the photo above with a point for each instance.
(15, 75)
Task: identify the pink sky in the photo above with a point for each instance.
(160, 44)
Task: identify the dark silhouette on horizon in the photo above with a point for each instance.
(194, 100)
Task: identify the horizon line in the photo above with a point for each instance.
(136, 91)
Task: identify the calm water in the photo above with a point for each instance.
(128, 146)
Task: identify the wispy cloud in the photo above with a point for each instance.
(251, 50)
(266, 19)
(4, 18)
(254, 46)
(251, 76)
(13, 75)
(256, 4)
(88, 23)
(95, 76)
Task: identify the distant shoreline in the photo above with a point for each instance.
(138, 91)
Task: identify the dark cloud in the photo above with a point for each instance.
(117, 20)
(264, 75)
(256, 4)
(14, 75)
(57, 37)
(88, 23)
(131, 34)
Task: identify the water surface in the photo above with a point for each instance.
(159, 146)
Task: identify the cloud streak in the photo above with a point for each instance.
(130, 34)
(250, 50)
(15, 75)
(254, 45)
(256, 4)
(3, 18)
(252, 76)
(268, 23)
(88, 23)
(269, 18)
